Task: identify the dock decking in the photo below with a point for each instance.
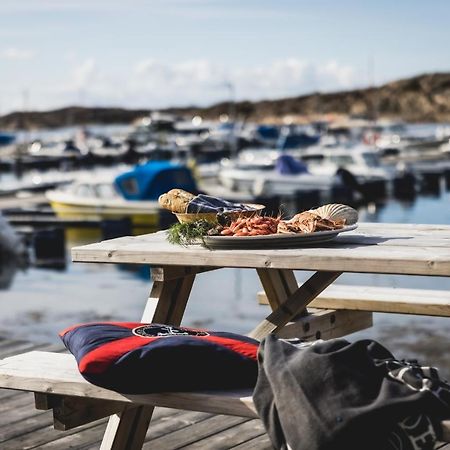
(23, 427)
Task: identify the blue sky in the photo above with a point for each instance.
(158, 53)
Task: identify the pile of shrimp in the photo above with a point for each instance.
(251, 226)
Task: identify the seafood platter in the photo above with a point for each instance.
(217, 223)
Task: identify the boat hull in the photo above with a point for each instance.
(139, 219)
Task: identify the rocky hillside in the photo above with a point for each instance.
(424, 98)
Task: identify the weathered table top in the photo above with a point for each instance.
(372, 248)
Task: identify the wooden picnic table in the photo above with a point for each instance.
(371, 248)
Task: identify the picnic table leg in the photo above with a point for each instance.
(166, 304)
(278, 285)
(286, 301)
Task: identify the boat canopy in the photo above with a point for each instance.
(6, 138)
(287, 165)
(268, 131)
(300, 140)
(150, 180)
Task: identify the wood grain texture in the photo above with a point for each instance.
(294, 304)
(372, 248)
(71, 412)
(326, 324)
(425, 302)
(228, 437)
(278, 285)
(171, 273)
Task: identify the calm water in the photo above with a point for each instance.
(41, 302)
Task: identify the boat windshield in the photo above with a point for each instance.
(100, 190)
(371, 159)
(342, 160)
(264, 167)
(105, 191)
(313, 159)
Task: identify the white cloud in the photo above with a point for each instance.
(151, 83)
(201, 82)
(13, 53)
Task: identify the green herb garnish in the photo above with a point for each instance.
(189, 233)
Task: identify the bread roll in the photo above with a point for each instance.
(176, 200)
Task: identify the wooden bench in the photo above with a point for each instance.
(381, 299)
(58, 385)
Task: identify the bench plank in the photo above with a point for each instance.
(30, 372)
(381, 299)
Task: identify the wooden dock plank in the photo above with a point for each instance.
(194, 433)
(43, 435)
(261, 442)
(230, 437)
(16, 403)
(12, 429)
(75, 440)
(176, 421)
(171, 421)
(16, 347)
(40, 432)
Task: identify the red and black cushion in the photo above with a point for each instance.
(136, 358)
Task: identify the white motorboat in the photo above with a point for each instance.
(361, 161)
(270, 173)
(54, 149)
(97, 199)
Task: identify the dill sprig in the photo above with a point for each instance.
(189, 233)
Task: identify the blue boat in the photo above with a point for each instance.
(150, 180)
(296, 141)
(6, 138)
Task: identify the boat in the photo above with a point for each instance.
(6, 138)
(361, 161)
(261, 135)
(133, 194)
(54, 149)
(36, 181)
(265, 172)
(152, 128)
(297, 138)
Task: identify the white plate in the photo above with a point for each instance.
(290, 240)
